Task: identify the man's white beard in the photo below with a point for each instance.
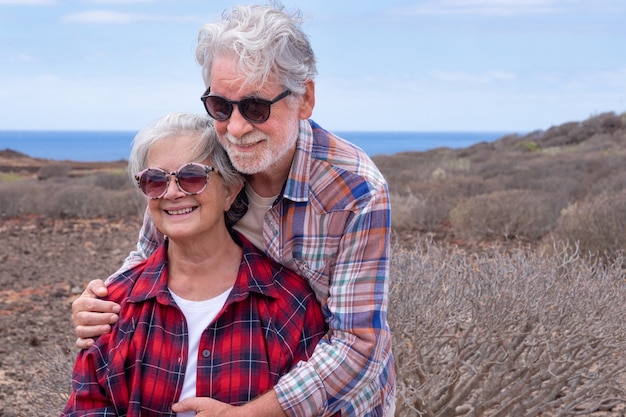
(258, 160)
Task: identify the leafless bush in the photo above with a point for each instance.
(506, 214)
(597, 226)
(612, 184)
(414, 167)
(426, 206)
(545, 174)
(406, 211)
(52, 380)
(516, 334)
(425, 211)
(605, 122)
(79, 201)
(111, 181)
(12, 195)
(53, 171)
(68, 198)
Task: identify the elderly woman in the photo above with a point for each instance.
(206, 314)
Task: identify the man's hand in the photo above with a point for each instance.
(205, 407)
(93, 317)
(264, 406)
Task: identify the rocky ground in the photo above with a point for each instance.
(44, 265)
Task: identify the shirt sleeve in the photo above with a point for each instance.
(88, 397)
(349, 368)
(149, 239)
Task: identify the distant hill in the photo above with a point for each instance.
(17, 162)
(568, 181)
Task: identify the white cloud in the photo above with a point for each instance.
(111, 17)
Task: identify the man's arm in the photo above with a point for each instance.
(353, 371)
(93, 317)
(266, 405)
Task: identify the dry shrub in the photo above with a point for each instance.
(110, 181)
(506, 334)
(86, 197)
(403, 168)
(425, 211)
(13, 196)
(426, 205)
(51, 380)
(53, 171)
(82, 201)
(597, 226)
(506, 214)
(611, 184)
(406, 211)
(545, 174)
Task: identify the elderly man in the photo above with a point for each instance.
(316, 204)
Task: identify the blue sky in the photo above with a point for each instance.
(393, 65)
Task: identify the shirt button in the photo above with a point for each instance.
(206, 353)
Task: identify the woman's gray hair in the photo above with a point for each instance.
(207, 147)
(269, 43)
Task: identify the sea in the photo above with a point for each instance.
(106, 146)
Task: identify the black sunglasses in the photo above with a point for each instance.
(254, 110)
(191, 179)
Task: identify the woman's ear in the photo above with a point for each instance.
(308, 100)
(232, 192)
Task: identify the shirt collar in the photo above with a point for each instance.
(297, 185)
(151, 280)
(256, 274)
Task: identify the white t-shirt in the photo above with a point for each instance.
(198, 314)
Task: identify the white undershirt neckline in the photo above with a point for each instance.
(198, 315)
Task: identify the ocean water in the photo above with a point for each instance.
(115, 145)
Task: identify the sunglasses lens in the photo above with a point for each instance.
(192, 178)
(218, 108)
(255, 110)
(153, 183)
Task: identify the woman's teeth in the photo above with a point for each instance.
(181, 211)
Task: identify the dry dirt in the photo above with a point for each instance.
(44, 264)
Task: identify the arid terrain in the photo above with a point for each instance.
(43, 266)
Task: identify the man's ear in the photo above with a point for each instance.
(308, 100)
